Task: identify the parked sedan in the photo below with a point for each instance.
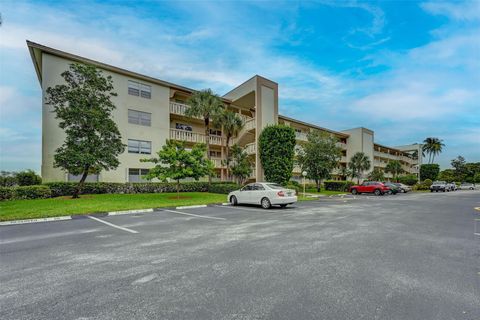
(394, 189)
(452, 186)
(467, 186)
(439, 186)
(374, 187)
(403, 187)
(263, 193)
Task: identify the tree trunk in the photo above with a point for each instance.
(80, 184)
(178, 189)
(318, 185)
(207, 141)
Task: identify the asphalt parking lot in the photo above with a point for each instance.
(408, 256)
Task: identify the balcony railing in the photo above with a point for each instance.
(189, 136)
(251, 148)
(217, 162)
(301, 136)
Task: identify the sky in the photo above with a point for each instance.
(405, 69)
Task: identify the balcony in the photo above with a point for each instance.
(342, 145)
(217, 163)
(194, 137)
(253, 174)
(251, 148)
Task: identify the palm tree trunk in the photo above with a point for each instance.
(227, 153)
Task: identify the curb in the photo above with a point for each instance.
(119, 213)
(38, 220)
(191, 207)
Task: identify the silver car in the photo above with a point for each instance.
(265, 194)
(467, 186)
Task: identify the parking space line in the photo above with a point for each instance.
(194, 215)
(112, 225)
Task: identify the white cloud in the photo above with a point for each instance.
(468, 10)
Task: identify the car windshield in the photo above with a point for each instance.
(274, 186)
(439, 182)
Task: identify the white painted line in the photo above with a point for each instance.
(118, 213)
(477, 208)
(25, 221)
(191, 207)
(193, 215)
(112, 225)
(226, 204)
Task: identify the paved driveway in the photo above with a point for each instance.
(408, 256)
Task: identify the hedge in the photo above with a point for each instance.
(25, 192)
(337, 185)
(58, 189)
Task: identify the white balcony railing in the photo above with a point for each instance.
(301, 136)
(251, 148)
(189, 136)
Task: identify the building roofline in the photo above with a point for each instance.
(62, 54)
(342, 134)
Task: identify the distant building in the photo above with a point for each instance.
(150, 110)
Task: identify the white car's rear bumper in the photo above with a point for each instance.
(283, 200)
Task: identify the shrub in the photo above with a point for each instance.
(6, 193)
(421, 186)
(409, 180)
(223, 188)
(427, 182)
(25, 192)
(429, 171)
(276, 146)
(28, 178)
(294, 185)
(338, 185)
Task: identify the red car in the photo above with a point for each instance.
(374, 187)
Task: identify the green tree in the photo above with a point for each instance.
(208, 106)
(176, 163)
(241, 165)
(231, 124)
(448, 175)
(395, 168)
(7, 179)
(432, 146)
(84, 108)
(276, 146)
(429, 171)
(319, 156)
(459, 164)
(344, 172)
(27, 178)
(376, 175)
(472, 169)
(359, 163)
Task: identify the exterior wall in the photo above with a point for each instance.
(157, 133)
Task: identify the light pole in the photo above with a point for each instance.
(304, 174)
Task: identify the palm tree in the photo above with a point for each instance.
(395, 168)
(344, 172)
(359, 163)
(207, 105)
(432, 146)
(231, 124)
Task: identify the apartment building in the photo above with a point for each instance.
(150, 111)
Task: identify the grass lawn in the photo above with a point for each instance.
(65, 206)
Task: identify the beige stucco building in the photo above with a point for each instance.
(150, 111)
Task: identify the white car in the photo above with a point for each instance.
(265, 194)
(403, 187)
(467, 186)
(452, 186)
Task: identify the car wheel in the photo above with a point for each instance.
(443, 190)
(389, 192)
(354, 191)
(283, 205)
(265, 203)
(377, 192)
(233, 201)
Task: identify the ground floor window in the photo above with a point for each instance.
(137, 175)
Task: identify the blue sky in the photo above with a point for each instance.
(405, 69)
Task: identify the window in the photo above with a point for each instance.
(139, 89)
(139, 117)
(214, 132)
(182, 126)
(139, 146)
(76, 178)
(136, 175)
(258, 186)
(215, 154)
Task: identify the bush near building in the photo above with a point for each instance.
(338, 185)
(409, 180)
(429, 171)
(277, 150)
(58, 189)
